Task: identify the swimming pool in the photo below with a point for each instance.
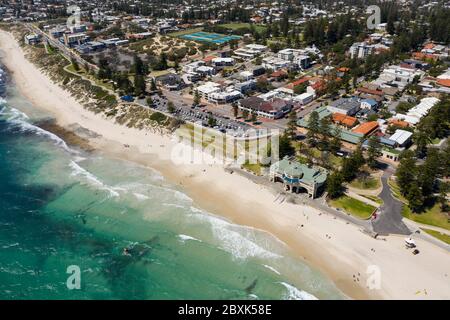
(209, 37)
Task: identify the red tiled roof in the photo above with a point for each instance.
(443, 82)
(423, 56)
(399, 123)
(209, 58)
(366, 128)
(297, 82)
(279, 73)
(374, 92)
(344, 119)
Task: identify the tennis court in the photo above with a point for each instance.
(209, 37)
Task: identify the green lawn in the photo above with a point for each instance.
(437, 234)
(373, 198)
(183, 32)
(370, 183)
(235, 26)
(432, 216)
(395, 189)
(254, 168)
(353, 206)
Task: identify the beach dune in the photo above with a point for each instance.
(362, 267)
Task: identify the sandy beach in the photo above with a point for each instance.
(338, 249)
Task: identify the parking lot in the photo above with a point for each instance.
(203, 115)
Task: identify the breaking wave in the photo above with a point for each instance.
(295, 294)
(92, 179)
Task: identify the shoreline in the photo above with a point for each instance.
(240, 200)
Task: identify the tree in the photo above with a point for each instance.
(245, 114)
(301, 88)
(406, 171)
(285, 146)
(139, 85)
(334, 185)
(197, 98)
(253, 117)
(373, 151)
(313, 127)
(149, 101)
(75, 65)
(336, 143)
(442, 198)
(235, 110)
(212, 121)
(421, 139)
(170, 107)
(291, 130)
(325, 132)
(153, 85)
(415, 197)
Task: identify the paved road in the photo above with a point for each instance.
(390, 219)
(67, 52)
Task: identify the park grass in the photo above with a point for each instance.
(373, 198)
(184, 32)
(432, 216)
(255, 168)
(371, 183)
(235, 26)
(353, 206)
(395, 189)
(441, 236)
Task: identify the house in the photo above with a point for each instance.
(352, 138)
(304, 98)
(415, 114)
(71, 40)
(296, 176)
(347, 106)
(250, 51)
(222, 62)
(245, 86)
(227, 96)
(344, 120)
(32, 39)
(171, 81)
(366, 128)
(207, 89)
(369, 104)
(273, 109)
(401, 137)
(258, 71)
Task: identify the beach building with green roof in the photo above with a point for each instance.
(295, 176)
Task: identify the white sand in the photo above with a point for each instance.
(347, 253)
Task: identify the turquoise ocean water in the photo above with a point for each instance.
(60, 206)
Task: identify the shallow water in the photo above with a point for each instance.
(60, 206)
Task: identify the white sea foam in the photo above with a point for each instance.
(295, 294)
(91, 179)
(140, 196)
(20, 120)
(184, 238)
(271, 268)
(232, 239)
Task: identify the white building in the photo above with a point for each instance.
(416, 113)
(250, 51)
(360, 50)
(401, 137)
(397, 76)
(304, 98)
